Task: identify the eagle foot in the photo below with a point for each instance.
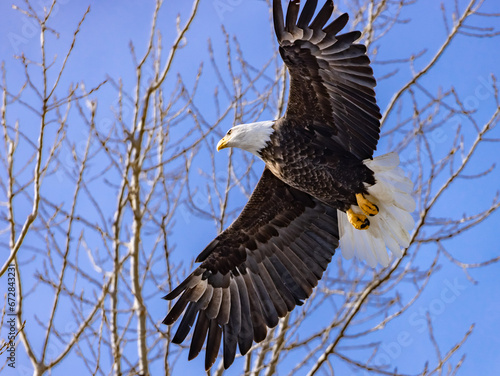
(368, 207)
(359, 221)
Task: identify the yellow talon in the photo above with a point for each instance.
(368, 207)
(359, 221)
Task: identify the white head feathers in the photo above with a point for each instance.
(251, 137)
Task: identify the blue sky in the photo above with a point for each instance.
(454, 303)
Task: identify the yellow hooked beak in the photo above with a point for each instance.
(222, 143)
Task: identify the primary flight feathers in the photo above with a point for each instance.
(319, 180)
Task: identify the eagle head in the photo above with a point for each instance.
(252, 137)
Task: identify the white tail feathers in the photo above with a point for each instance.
(391, 226)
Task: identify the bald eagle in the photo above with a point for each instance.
(320, 187)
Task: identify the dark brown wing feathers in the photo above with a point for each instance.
(323, 16)
(307, 14)
(337, 25)
(256, 271)
(291, 15)
(279, 23)
(331, 81)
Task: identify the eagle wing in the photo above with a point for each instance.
(331, 82)
(256, 271)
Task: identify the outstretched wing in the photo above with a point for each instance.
(256, 271)
(331, 82)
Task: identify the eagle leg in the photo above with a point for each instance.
(359, 221)
(368, 207)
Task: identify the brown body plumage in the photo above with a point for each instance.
(314, 165)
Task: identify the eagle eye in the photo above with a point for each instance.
(229, 132)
